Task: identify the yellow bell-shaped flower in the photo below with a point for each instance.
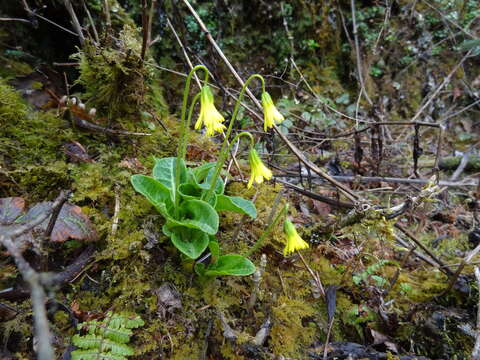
(270, 112)
(209, 115)
(294, 241)
(259, 170)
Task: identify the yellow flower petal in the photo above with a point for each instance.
(209, 116)
(294, 241)
(271, 114)
(259, 171)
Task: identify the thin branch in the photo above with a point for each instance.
(16, 19)
(445, 81)
(476, 348)
(357, 55)
(75, 22)
(92, 23)
(55, 213)
(184, 51)
(368, 179)
(443, 266)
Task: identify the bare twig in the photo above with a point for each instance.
(228, 332)
(75, 22)
(316, 278)
(262, 334)
(466, 261)
(461, 167)
(94, 127)
(358, 56)
(53, 218)
(33, 13)
(90, 20)
(35, 280)
(108, 18)
(368, 179)
(15, 19)
(116, 212)
(445, 81)
(184, 51)
(476, 348)
(441, 264)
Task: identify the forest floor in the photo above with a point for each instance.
(384, 188)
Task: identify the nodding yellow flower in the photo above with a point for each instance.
(271, 114)
(294, 241)
(259, 170)
(209, 115)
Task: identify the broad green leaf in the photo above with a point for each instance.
(197, 214)
(231, 265)
(154, 191)
(236, 204)
(165, 171)
(191, 242)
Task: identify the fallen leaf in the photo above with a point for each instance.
(10, 209)
(331, 300)
(71, 223)
(76, 152)
(168, 299)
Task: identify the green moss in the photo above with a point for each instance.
(288, 334)
(118, 83)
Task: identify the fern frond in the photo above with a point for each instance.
(94, 355)
(106, 339)
(101, 344)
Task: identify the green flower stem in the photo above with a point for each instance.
(223, 153)
(267, 231)
(182, 151)
(183, 126)
(223, 157)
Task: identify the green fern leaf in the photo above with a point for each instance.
(101, 344)
(106, 339)
(94, 355)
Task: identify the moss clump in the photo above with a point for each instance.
(289, 335)
(117, 81)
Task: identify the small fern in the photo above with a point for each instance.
(106, 339)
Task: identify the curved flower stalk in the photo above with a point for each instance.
(209, 115)
(259, 170)
(224, 150)
(294, 241)
(271, 114)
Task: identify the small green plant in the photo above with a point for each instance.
(106, 339)
(376, 71)
(369, 273)
(190, 198)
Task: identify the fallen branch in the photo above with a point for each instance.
(368, 179)
(36, 281)
(476, 348)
